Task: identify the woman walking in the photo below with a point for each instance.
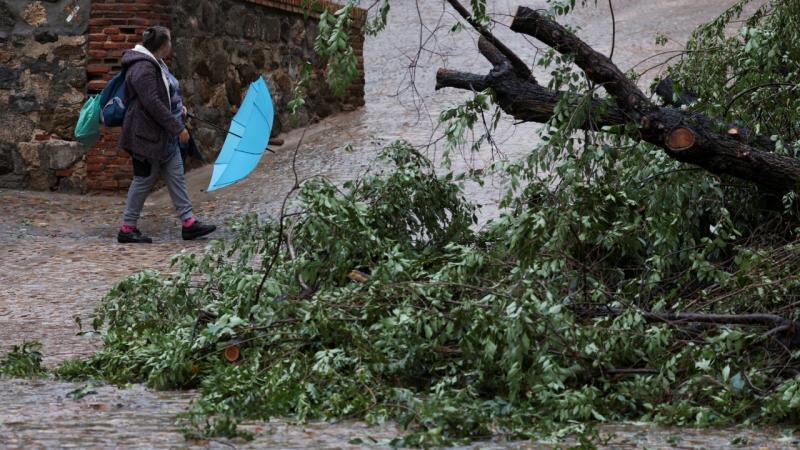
(152, 133)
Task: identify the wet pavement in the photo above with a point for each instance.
(58, 254)
(43, 414)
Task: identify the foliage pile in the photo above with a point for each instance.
(535, 321)
(24, 360)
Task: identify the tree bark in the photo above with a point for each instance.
(666, 93)
(683, 135)
(598, 67)
(741, 133)
(519, 66)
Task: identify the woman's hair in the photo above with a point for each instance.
(154, 37)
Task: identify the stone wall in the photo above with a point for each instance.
(53, 52)
(42, 82)
(220, 46)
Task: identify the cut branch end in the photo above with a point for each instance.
(232, 353)
(680, 139)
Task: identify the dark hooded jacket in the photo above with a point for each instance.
(148, 123)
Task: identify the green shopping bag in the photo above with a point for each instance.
(88, 126)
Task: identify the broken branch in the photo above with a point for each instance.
(597, 66)
(519, 65)
(671, 129)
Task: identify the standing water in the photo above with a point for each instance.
(58, 256)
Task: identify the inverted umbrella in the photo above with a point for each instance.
(247, 137)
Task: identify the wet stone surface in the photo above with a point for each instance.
(136, 417)
(59, 257)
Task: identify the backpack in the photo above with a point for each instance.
(113, 110)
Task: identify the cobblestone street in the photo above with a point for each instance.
(58, 261)
(59, 255)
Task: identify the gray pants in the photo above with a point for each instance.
(142, 184)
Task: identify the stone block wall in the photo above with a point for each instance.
(220, 46)
(55, 52)
(42, 83)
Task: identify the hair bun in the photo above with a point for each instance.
(154, 37)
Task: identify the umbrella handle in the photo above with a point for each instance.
(217, 127)
(190, 115)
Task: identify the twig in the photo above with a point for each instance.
(782, 329)
(292, 254)
(632, 371)
(752, 89)
(277, 249)
(613, 30)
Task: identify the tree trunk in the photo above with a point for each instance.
(684, 135)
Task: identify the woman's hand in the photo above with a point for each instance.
(184, 111)
(184, 136)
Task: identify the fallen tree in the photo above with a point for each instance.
(613, 284)
(683, 135)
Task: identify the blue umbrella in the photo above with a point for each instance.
(247, 137)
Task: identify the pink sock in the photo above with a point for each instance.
(125, 228)
(189, 222)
